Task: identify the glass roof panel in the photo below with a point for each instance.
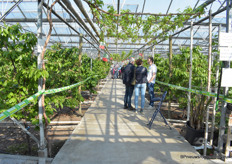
(15, 14)
(29, 9)
(131, 7)
(28, 6)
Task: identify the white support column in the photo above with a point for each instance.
(42, 150)
(215, 99)
(209, 81)
(226, 64)
(228, 150)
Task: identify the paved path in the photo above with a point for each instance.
(109, 134)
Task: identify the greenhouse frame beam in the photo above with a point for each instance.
(21, 11)
(144, 2)
(81, 21)
(207, 17)
(196, 4)
(114, 50)
(196, 23)
(211, 22)
(74, 19)
(189, 22)
(169, 6)
(78, 17)
(74, 35)
(9, 11)
(202, 5)
(165, 44)
(58, 16)
(80, 6)
(206, 23)
(124, 48)
(33, 20)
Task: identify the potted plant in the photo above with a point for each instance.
(195, 127)
(180, 77)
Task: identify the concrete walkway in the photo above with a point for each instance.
(109, 134)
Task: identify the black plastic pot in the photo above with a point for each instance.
(193, 136)
(229, 106)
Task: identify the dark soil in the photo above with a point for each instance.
(15, 141)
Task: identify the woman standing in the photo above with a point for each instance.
(140, 85)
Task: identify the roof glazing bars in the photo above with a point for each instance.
(11, 9)
(45, 5)
(78, 17)
(196, 23)
(203, 5)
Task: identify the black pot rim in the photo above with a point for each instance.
(188, 125)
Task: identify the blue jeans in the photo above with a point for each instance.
(128, 95)
(116, 74)
(142, 88)
(150, 87)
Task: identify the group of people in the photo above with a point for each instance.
(116, 71)
(143, 78)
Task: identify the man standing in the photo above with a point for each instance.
(116, 71)
(128, 75)
(151, 75)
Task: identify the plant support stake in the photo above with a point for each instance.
(190, 71)
(209, 81)
(170, 75)
(80, 56)
(215, 98)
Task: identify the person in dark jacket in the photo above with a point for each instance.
(128, 74)
(140, 84)
(122, 70)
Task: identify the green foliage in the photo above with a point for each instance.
(121, 57)
(64, 66)
(18, 69)
(131, 25)
(101, 68)
(180, 77)
(19, 73)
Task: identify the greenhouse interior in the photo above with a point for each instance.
(115, 81)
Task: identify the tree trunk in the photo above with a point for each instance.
(28, 139)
